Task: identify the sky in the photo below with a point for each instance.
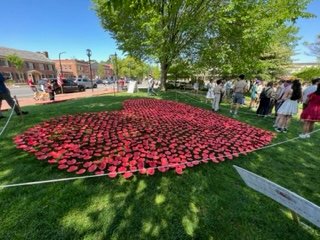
(308, 31)
(71, 26)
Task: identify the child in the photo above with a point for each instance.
(311, 113)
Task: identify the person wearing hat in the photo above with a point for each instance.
(5, 95)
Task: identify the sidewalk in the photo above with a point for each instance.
(58, 98)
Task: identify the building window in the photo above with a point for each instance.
(50, 67)
(3, 63)
(41, 66)
(30, 65)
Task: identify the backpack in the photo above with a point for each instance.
(263, 94)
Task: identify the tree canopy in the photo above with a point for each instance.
(308, 74)
(16, 61)
(231, 36)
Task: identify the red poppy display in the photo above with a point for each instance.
(147, 135)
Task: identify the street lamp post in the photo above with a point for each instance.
(116, 70)
(89, 55)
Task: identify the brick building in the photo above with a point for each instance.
(108, 69)
(36, 64)
(76, 68)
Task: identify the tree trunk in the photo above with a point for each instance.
(164, 73)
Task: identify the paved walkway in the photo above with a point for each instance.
(59, 98)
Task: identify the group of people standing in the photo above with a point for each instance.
(281, 98)
(291, 94)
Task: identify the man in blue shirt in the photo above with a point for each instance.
(5, 95)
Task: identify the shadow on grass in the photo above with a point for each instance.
(206, 202)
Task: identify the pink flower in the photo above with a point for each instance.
(179, 170)
(150, 171)
(81, 171)
(72, 168)
(92, 168)
(127, 175)
(112, 174)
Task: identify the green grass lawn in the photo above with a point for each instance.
(209, 201)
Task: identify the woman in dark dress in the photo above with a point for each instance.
(265, 99)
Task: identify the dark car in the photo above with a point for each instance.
(68, 86)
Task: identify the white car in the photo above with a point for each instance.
(86, 82)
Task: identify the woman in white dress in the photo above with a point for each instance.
(210, 94)
(289, 106)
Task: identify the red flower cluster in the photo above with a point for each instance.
(147, 135)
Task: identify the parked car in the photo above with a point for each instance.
(86, 82)
(108, 81)
(68, 86)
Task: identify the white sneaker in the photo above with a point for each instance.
(303, 136)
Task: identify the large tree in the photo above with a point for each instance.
(251, 36)
(229, 35)
(161, 29)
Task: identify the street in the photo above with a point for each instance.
(21, 91)
(26, 92)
